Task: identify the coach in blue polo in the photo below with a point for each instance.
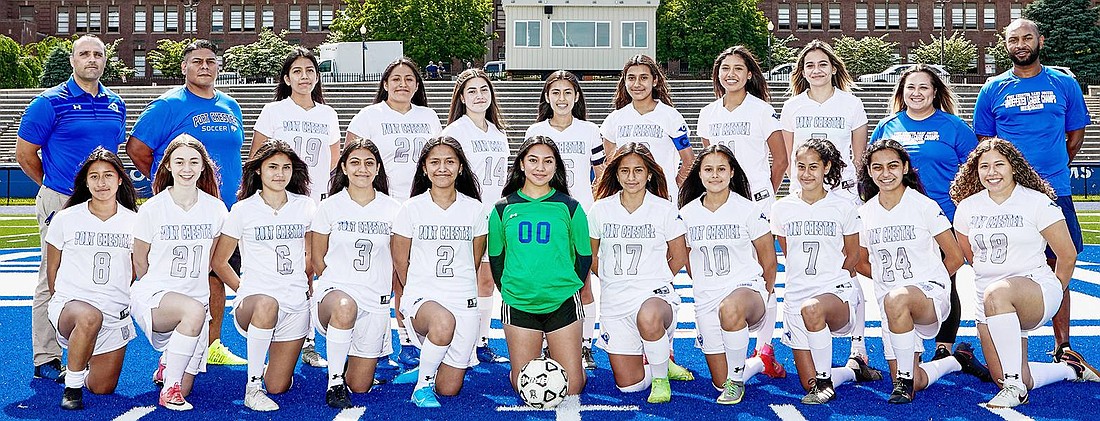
(65, 123)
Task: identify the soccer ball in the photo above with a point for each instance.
(542, 383)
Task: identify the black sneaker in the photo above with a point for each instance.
(52, 370)
(72, 398)
(821, 391)
(903, 391)
(337, 397)
(864, 372)
(942, 351)
(586, 358)
(970, 364)
(1059, 351)
(486, 355)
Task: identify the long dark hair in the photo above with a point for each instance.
(867, 187)
(465, 182)
(516, 176)
(208, 179)
(608, 183)
(945, 99)
(756, 86)
(660, 82)
(458, 108)
(420, 97)
(339, 180)
(283, 90)
(126, 195)
(693, 185)
(827, 153)
(251, 182)
(580, 110)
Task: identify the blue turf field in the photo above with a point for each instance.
(487, 395)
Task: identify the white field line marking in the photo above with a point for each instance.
(1008, 414)
(135, 413)
(787, 412)
(350, 414)
(612, 408)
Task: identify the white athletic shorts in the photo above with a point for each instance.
(1052, 297)
(114, 334)
(467, 329)
(288, 326)
(621, 337)
(370, 338)
(795, 334)
(708, 326)
(940, 294)
(142, 303)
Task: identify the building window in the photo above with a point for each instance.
(580, 34)
(26, 13)
(320, 17)
(112, 19)
(236, 18)
(295, 18)
(190, 20)
(937, 18)
(62, 20)
(250, 18)
(268, 17)
(139, 63)
(528, 33)
(783, 19)
(139, 19)
(834, 16)
(973, 65)
(217, 19)
(893, 16)
(158, 18)
(912, 13)
(1015, 11)
(861, 17)
(81, 19)
(95, 20)
(972, 17)
(990, 16)
(990, 64)
(803, 16)
(964, 16)
(635, 34)
(815, 16)
(880, 16)
(172, 20)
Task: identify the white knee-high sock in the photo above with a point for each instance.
(859, 345)
(821, 350)
(639, 386)
(177, 356)
(656, 352)
(259, 341)
(339, 344)
(75, 379)
(431, 356)
(403, 336)
(736, 344)
(905, 346)
(589, 326)
(842, 375)
(939, 368)
(485, 311)
(767, 328)
(1004, 330)
(1043, 374)
(753, 366)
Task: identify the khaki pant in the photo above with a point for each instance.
(43, 336)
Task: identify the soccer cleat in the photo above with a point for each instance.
(1085, 372)
(970, 364)
(72, 398)
(678, 373)
(408, 377)
(1009, 396)
(941, 352)
(218, 354)
(172, 398)
(864, 372)
(1056, 354)
(424, 397)
(821, 391)
(386, 364)
(586, 358)
(311, 357)
(486, 355)
(52, 370)
(337, 397)
(772, 368)
(256, 400)
(158, 375)
(409, 357)
(660, 391)
(732, 392)
(903, 391)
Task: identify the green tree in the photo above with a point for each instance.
(957, 52)
(1000, 54)
(168, 57)
(430, 30)
(782, 53)
(260, 59)
(1071, 33)
(865, 55)
(57, 67)
(116, 69)
(16, 71)
(695, 31)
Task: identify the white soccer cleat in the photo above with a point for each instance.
(1011, 395)
(256, 400)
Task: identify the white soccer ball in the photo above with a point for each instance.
(542, 383)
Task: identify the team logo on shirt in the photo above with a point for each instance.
(384, 300)
(76, 106)
(1030, 101)
(113, 107)
(471, 303)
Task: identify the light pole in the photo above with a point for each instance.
(363, 51)
(943, 24)
(771, 27)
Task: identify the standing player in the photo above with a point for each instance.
(175, 235)
(270, 223)
(818, 231)
(541, 256)
(476, 122)
(89, 271)
(633, 229)
(901, 231)
(644, 114)
(1042, 111)
(732, 265)
(938, 142)
(300, 118)
(1007, 217)
(563, 117)
(399, 123)
(351, 256)
(438, 241)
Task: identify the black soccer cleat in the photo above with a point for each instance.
(903, 391)
(337, 397)
(970, 364)
(72, 398)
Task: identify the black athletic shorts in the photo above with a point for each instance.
(568, 312)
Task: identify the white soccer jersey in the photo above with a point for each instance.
(273, 248)
(581, 148)
(358, 261)
(310, 132)
(1006, 239)
(633, 246)
(400, 139)
(745, 130)
(441, 259)
(901, 242)
(722, 253)
(180, 242)
(832, 120)
(815, 244)
(658, 129)
(96, 265)
(488, 154)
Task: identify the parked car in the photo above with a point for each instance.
(781, 72)
(892, 73)
(496, 69)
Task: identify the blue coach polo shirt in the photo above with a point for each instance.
(69, 123)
